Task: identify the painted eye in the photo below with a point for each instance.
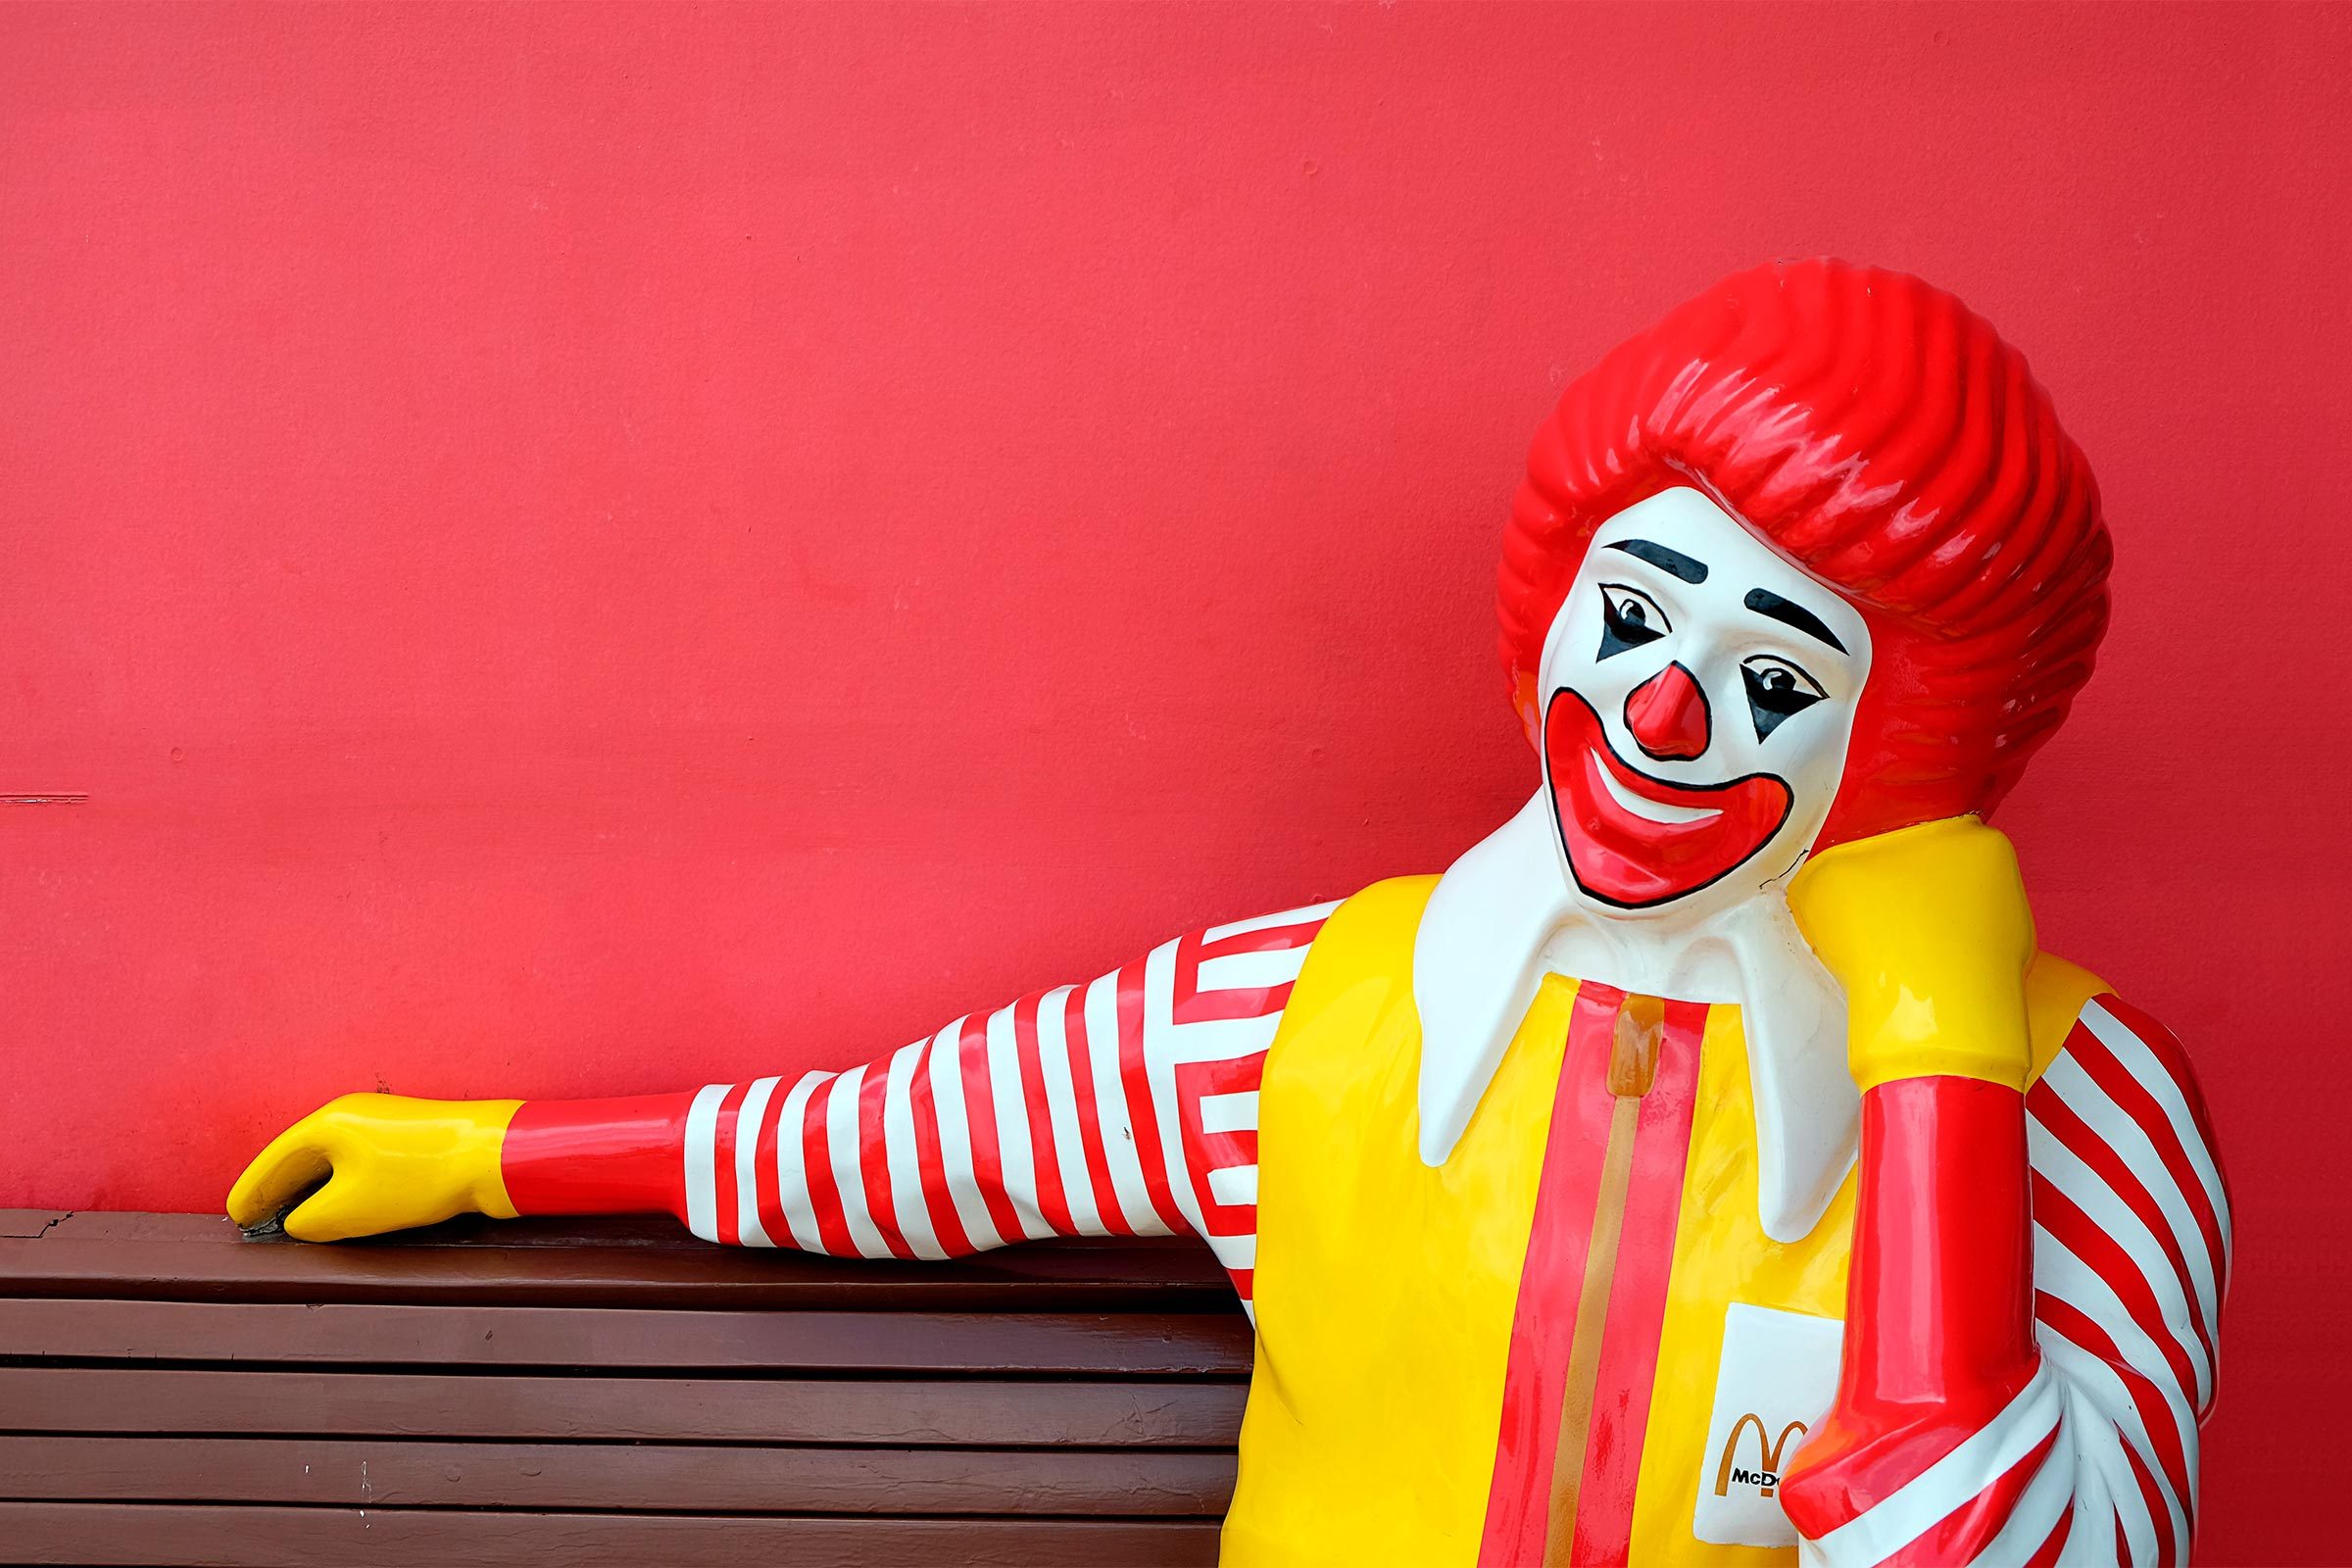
(1629, 617)
(1776, 689)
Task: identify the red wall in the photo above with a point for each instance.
(582, 551)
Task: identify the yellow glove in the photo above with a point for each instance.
(1927, 930)
(390, 1162)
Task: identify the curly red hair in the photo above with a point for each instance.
(1879, 433)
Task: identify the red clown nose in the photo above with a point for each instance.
(1668, 716)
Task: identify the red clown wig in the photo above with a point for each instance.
(1880, 435)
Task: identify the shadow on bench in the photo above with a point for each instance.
(603, 1393)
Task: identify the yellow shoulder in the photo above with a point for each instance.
(1387, 909)
(2055, 992)
(1370, 933)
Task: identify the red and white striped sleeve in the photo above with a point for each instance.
(1127, 1106)
(2032, 1330)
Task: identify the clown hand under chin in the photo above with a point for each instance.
(1927, 931)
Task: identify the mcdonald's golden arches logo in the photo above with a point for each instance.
(1769, 1449)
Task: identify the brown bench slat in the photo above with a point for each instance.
(615, 1337)
(603, 1393)
(388, 1473)
(628, 1262)
(170, 1536)
(1187, 1413)
(28, 1224)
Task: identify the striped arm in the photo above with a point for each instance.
(1124, 1108)
(2095, 1458)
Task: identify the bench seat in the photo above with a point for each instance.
(604, 1393)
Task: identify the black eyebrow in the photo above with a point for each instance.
(1663, 558)
(1764, 602)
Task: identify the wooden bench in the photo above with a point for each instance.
(617, 1392)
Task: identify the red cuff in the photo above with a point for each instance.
(1939, 1300)
(1943, 1292)
(597, 1156)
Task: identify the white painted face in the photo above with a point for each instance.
(1699, 693)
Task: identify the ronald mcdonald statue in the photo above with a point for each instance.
(1708, 1167)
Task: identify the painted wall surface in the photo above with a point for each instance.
(591, 549)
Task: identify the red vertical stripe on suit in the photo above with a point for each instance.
(1090, 1116)
(816, 1161)
(1135, 1084)
(2168, 1550)
(722, 1161)
(2047, 1556)
(931, 1159)
(1629, 1347)
(767, 1193)
(874, 1158)
(1544, 1322)
(980, 1114)
(1052, 1204)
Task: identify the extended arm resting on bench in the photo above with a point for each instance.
(1125, 1107)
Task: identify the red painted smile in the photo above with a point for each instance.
(1635, 841)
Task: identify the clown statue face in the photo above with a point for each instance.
(1701, 693)
(1708, 1167)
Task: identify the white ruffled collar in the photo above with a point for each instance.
(1504, 915)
